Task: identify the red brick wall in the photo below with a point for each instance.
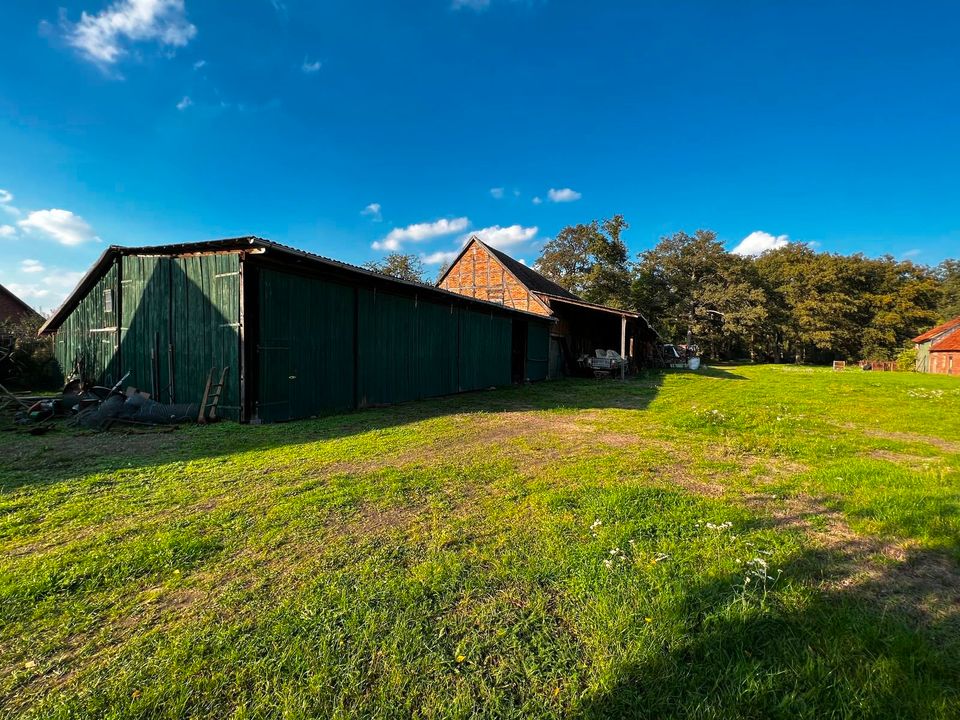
(478, 274)
(945, 363)
(10, 309)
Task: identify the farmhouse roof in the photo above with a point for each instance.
(247, 243)
(938, 330)
(951, 343)
(13, 301)
(527, 276)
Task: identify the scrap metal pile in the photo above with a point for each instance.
(99, 408)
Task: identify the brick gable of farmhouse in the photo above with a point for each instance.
(478, 273)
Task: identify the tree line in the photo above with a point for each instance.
(789, 304)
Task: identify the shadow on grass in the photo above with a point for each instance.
(885, 644)
(67, 453)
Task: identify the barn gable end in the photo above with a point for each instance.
(478, 273)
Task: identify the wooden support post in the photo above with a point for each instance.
(623, 347)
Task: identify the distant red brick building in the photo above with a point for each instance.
(13, 308)
(938, 349)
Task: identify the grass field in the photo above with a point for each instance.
(754, 542)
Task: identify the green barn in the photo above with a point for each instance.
(300, 334)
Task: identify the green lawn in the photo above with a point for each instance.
(742, 542)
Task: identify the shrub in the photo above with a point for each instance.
(30, 363)
(907, 359)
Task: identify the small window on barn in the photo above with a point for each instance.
(108, 301)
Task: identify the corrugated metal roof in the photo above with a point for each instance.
(951, 343)
(534, 281)
(938, 330)
(247, 243)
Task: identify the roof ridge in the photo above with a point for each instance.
(935, 331)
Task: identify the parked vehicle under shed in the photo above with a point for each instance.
(300, 334)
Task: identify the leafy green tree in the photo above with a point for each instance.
(591, 261)
(948, 272)
(399, 265)
(900, 303)
(691, 284)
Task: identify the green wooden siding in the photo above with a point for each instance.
(437, 348)
(485, 341)
(538, 351)
(145, 327)
(90, 334)
(321, 345)
(182, 309)
(325, 347)
(388, 352)
(205, 323)
(306, 348)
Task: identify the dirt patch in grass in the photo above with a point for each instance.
(902, 458)
(939, 443)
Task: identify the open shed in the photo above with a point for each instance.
(301, 334)
(483, 272)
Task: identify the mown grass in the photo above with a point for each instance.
(742, 542)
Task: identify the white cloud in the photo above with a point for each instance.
(311, 67)
(7, 231)
(563, 195)
(537, 200)
(61, 225)
(418, 232)
(199, 64)
(185, 103)
(758, 242)
(373, 211)
(31, 266)
(440, 257)
(6, 197)
(101, 37)
(496, 192)
(52, 289)
(502, 237)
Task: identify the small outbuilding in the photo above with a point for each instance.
(483, 272)
(938, 349)
(299, 334)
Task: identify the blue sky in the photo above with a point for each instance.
(349, 128)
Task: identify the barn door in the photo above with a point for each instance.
(273, 349)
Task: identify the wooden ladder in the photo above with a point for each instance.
(211, 396)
